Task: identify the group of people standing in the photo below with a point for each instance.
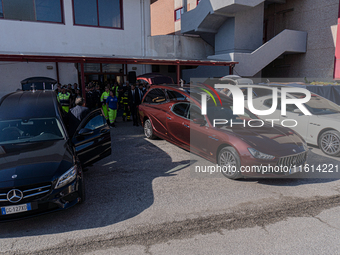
(125, 97)
(67, 95)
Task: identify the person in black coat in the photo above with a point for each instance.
(134, 101)
(141, 90)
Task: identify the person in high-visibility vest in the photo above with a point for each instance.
(64, 98)
(103, 98)
(112, 106)
(115, 89)
(125, 102)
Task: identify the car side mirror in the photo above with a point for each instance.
(85, 131)
(200, 121)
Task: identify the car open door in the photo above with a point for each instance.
(92, 138)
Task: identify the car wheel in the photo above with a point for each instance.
(329, 142)
(148, 130)
(229, 161)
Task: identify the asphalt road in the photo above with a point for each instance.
(145, 199)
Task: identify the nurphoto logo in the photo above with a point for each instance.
(239, 104)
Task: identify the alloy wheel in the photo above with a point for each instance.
(330, 143)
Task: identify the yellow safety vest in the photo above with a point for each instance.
(64, 99)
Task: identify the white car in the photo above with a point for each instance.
(322, 128)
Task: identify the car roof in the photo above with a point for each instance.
(192, 91)
(29, 104)
(151, 75)
(38, 79)
(259, 86)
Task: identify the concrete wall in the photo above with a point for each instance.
(225, 38)
(178, 47)
(242, 33)
(250, 64)
(319, 19)
(12, 73)
(249, 29)
(205, 72)
(67, 73)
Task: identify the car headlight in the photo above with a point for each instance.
(67, 177)
(260, 155)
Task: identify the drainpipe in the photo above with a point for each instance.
(57, 70)
(142, 31)
(184, 4)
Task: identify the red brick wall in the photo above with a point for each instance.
(162, 17)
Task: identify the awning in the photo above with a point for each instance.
(89, 58)
(79, 58)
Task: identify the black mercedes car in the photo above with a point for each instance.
(40, 164)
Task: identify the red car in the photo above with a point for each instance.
(174, 114)
(155, 78)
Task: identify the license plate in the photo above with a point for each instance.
(15, 209)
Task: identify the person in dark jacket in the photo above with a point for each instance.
(90, 100)
(134, 101)
(96, 95)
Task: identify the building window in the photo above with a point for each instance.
(1, 12)
(101, 68)
(32, 10)
(178, 13)
(98, 13)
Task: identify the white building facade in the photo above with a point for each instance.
(71, 28)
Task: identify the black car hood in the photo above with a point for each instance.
(34, 160)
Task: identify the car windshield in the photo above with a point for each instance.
(321, 106)
(318, 105)
(225, 112)
(30, 130)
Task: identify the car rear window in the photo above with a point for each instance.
(155, 96)
(174, 95)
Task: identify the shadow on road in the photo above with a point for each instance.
(117, 188)
(120, 187)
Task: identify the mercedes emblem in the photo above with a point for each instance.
(14, 196)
